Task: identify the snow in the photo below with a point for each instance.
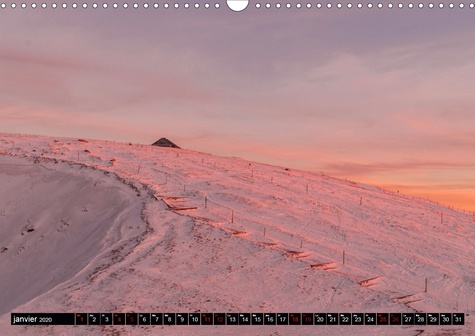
(134, 228)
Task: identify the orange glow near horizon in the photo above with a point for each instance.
(458, 198)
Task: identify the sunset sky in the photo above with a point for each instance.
(385, 96)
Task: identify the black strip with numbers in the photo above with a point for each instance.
(132, 319)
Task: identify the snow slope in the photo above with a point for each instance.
(122, 227)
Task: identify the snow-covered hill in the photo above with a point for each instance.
(96, 226)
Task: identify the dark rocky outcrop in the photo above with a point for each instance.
(164, 142)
